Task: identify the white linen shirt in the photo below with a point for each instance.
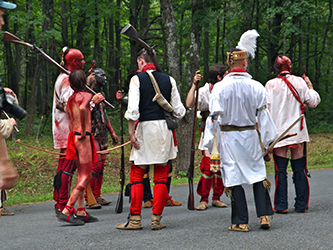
(236, 100)
(285, 109)
(203, 105)
(60, 120)
(155, 139)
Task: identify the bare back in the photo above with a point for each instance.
(78, 109)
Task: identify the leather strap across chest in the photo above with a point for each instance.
(293, 91)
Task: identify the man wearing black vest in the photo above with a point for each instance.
(152, 141)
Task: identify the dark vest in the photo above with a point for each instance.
(150, 110)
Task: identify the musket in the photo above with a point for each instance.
(304, 143)
(190, 173)
(119, 205)
(8, 37)
(131, 32)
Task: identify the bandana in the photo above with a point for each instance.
(149, 66)
(237, 70)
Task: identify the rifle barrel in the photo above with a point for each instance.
(190, 204)
(119, 205)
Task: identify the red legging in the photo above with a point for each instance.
(209, 179)
(61, 196)
(160, 188)
(96, 181)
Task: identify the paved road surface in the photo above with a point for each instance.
(36, 227)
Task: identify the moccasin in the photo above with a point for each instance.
(102, 201)
(202, 206)
(264, 222)
(239, 228)
(218, 203)
(71, 218)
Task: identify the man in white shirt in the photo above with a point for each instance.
(152, 141)
(238, 103)
(209, 179)
(287, 98)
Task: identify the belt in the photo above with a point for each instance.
(228, 128)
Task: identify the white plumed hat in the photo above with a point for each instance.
(248, 42)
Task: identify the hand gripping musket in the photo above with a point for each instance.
(8, 37)
(131, 32)
(190, 173)
(283, 135)
(119, 205)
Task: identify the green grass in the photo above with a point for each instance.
(37, 169)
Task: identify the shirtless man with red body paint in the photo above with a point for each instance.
(79, 142)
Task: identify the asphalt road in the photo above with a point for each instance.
(36, 227)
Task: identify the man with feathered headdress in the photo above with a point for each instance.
(238, 102)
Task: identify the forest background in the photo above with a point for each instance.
(187, 35)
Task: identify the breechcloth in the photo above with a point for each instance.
(160, 189)
(301, 182)
(63, 181)
(239, 211)
(208, 180)
(71, 150)
(281, 183)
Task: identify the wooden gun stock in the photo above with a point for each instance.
(190, 203)
(8, 37)
(90, 196)
(131, 32)
(119, 205)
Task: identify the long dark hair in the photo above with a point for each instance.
(78, 80)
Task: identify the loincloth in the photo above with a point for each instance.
(71, 153)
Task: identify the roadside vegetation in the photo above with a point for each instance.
(37, 169)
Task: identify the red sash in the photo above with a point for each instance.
(296, 96)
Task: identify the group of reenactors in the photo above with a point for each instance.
(240, 118)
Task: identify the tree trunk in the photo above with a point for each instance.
(217, 46)
(186, 124)
(45, 67)
(318, 72)
(114, 87)
(97, 47)
(11, 80)
(206, 53)
(256, 59)
(223, 53)
(180, 66)
(33, 99)
(64, 23)
(133, 44)
(171, 39)
(81, 24)
(111, 58)
(274, 36)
